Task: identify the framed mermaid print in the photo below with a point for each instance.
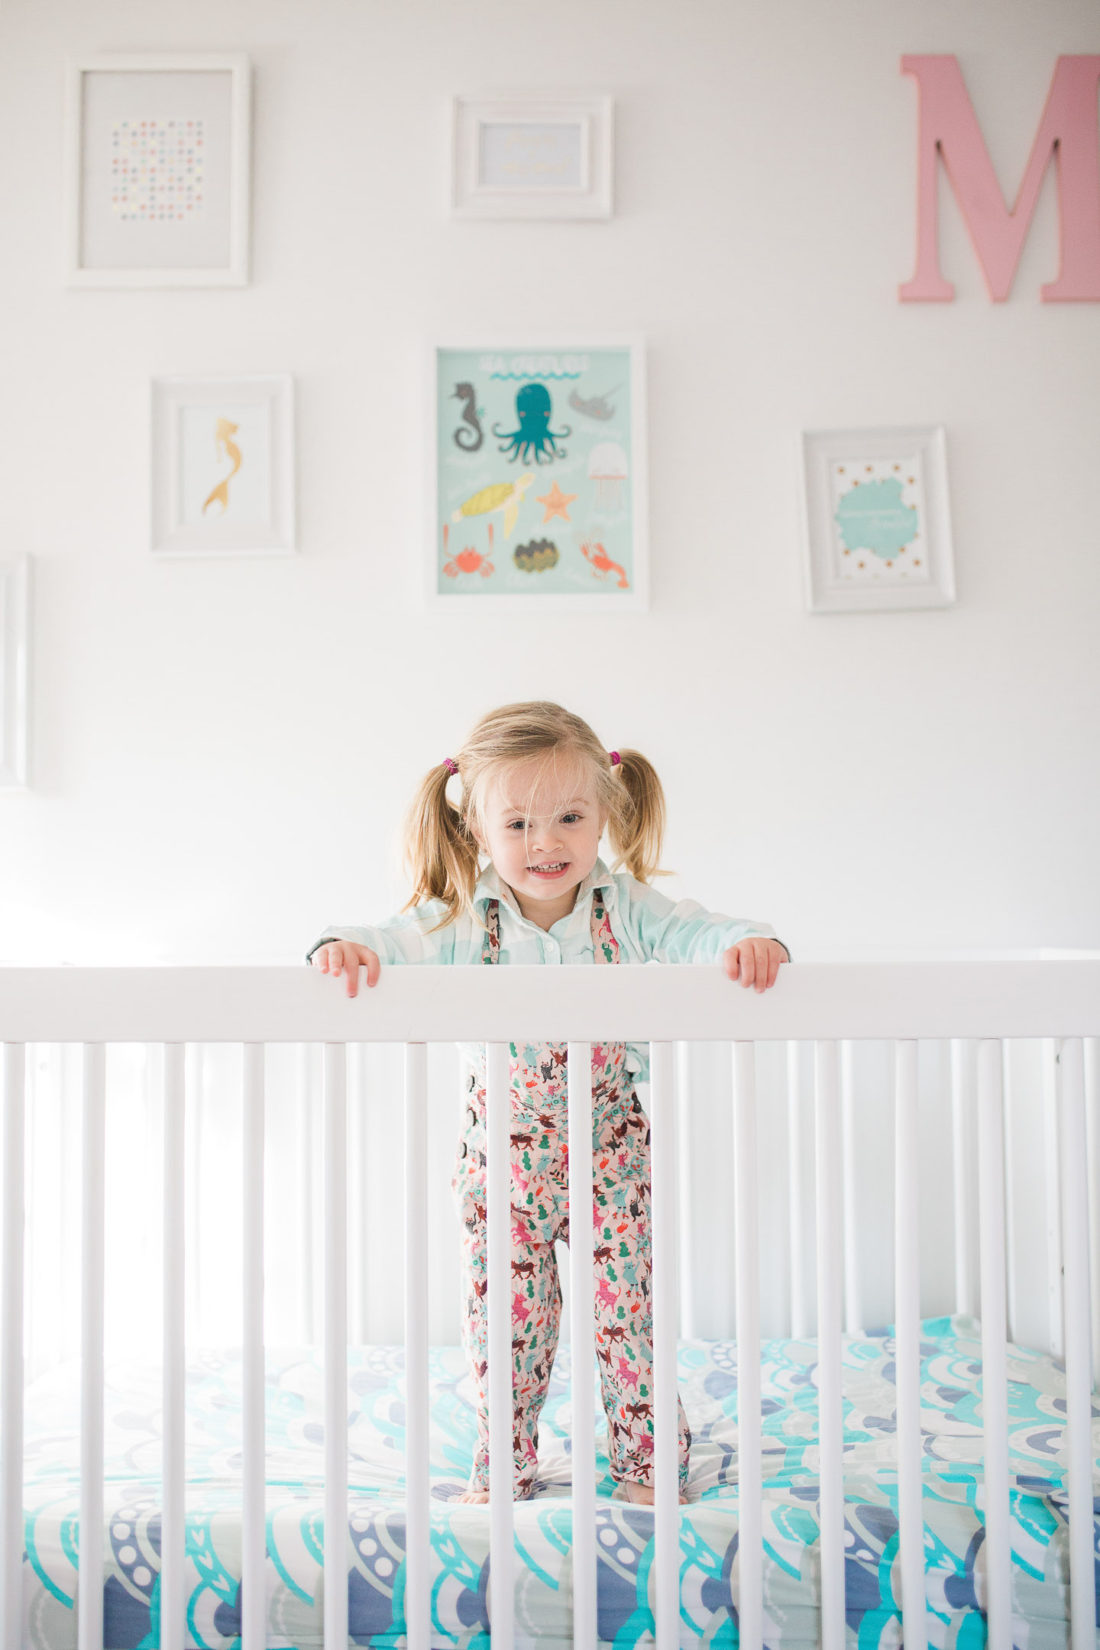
(223, 466)
(537, 490)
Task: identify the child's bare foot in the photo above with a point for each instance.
(642, 1494)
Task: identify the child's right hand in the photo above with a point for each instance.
(342, 957)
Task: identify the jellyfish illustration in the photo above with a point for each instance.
(607, 467)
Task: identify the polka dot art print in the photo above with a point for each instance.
(156, 170)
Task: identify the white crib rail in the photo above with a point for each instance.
(822, 1005)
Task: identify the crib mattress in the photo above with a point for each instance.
(951, 1414)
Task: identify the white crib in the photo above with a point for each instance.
(972, 1008)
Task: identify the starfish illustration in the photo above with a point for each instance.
(556, 503)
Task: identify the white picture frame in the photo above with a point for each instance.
(889, 545)
(157, 171)
(532, 155)
(584, 511)
(223, 465)
(15, 586)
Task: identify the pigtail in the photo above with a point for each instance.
(637, 830)
(440, 852)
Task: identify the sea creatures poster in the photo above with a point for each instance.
(538, 474)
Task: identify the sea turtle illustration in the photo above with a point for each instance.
(502, 495)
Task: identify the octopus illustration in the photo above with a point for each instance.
(469, 434)
(534, 441)
(594, 406)
(468, 560)
(503, 495)
(224, 431)
(602, 563)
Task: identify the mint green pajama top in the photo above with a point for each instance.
(648, 925)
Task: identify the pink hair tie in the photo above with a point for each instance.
(451, 766)
(615, 759)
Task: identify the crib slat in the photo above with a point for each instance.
(173, 1370)
(1012, 1245)
(90, 1579)
(336, 1349)
(254, 1473)
(747, 1250)
(1052, 1202)
(11, 1345)
(498, 1104)
(800, 1323)
(991, 1204)
(1092, 1119)
(666, 1521)
(582, 1335)
(907, 1311)
(417, 1458)
(830, 1246)
(962, 1109)
(1075, 1239)
(307, 1165)
(684, 1201)
(358, 1152)
(853, 1300)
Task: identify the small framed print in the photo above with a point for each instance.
(877, 529)
(15, 574)
(531, 156)
(157, 179)
(223, 465)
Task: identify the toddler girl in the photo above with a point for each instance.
(537, 790)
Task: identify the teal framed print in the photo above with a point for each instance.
(538, 483)
(876, 523)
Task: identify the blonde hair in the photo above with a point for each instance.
(441, 847)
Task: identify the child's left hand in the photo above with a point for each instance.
(755, 961)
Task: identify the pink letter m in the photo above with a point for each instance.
(1068, 129)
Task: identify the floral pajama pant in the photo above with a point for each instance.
(540, 1216)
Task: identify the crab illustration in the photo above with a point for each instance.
(468, 561)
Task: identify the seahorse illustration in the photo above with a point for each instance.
(224, 431)
(469, 435)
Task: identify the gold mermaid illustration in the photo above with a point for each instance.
(224, 431)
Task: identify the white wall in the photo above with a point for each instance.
(222, 750)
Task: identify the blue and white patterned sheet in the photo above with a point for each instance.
(951, 1413)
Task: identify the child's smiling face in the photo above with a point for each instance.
(542, 831)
